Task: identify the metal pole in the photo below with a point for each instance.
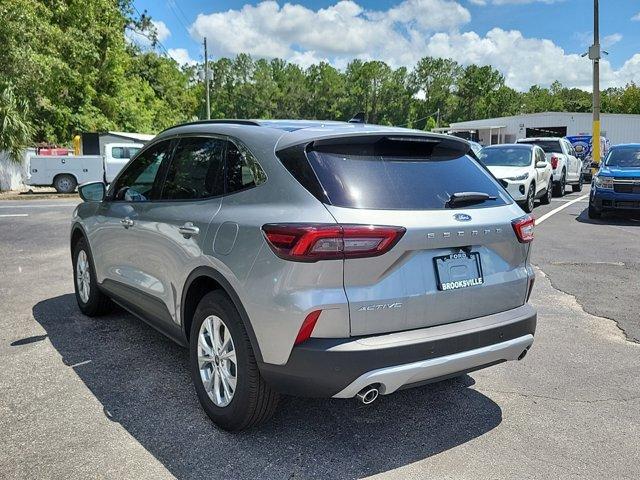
(206, 78)
(594, 54)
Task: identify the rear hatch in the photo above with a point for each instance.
(456, 260)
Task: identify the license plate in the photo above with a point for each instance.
(458, 270)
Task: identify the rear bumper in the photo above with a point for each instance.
(341, 367)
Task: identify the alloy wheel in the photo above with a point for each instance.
(83, 278)
(217, 361)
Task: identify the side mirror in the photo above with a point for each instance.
(541, 165)
(92, 191)
(595, 165)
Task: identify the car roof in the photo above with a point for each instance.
(295, 132)
(512, 145)
(529, 139)
(626, 145)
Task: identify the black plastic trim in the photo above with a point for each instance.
(319, 368)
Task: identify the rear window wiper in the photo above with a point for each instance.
(460, 199)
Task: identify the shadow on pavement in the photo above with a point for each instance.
(141, 379)
(616, 218)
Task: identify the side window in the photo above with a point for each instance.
(540, 155)
(118, 152)
(131, 152)
(243, 170)
(196, 169)
(135, 184)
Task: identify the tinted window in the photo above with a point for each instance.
(400, 182)
(131, 151)
(624, 157)
(243, 170)
(118, 152)
(506, 156)
(135, 184)
(549, 146)
(195, 170)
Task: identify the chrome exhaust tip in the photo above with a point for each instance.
(368, 395)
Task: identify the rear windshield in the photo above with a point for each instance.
(624, 157)
(506, 157)
(400, 182)
(549, 146)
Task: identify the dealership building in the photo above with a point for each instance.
(618, 128)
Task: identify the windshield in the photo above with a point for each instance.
(506, 157)
(624, 157)
(549, 146)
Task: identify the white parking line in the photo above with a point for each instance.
(561, 207)
(14, 215)
(40, 205)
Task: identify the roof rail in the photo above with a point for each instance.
(215, 121)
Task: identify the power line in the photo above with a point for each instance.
(157, 40)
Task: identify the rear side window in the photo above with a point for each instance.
(398, 176)
(196, 169)
(549, 146)
(243, 170)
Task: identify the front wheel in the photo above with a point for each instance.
(91, 301)
(546, 199)
(224, 369)
(593, 212)
(527, 206)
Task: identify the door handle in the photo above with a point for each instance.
(188, 230)
(126, 222)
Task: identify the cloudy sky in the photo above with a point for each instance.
(529, 41)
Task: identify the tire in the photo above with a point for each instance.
(91, 301)
(65, 183)
(593, 212)
(252, 401)
(578, 187)
(527, 206)
(546, 199)
(560, 187)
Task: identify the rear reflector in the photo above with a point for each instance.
(313, 242)
(307, 327)
(523, 227)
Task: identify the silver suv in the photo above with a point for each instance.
(322, 259)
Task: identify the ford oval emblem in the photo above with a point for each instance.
(462, 217)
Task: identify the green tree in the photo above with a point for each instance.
(15, 130)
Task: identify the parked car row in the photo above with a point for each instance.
(534, 169)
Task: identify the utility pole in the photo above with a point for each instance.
(595, 55)
(206, 78)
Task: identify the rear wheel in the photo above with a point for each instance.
(65, 183)
(91, 301)
(224, 369)
(559, 187)
(578, 187)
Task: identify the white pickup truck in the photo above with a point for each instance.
(66, 172)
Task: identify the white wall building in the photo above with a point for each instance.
(618, 128)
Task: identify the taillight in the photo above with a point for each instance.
(523, 227)
(307, 327)
(554, 162)
(313, 242)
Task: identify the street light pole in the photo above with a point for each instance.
(595, 55)
(206, 78)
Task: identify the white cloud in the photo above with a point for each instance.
(399, 36)
(162, 31)
(482, 3)
(636, 17)
(181, 55)
(612, 39)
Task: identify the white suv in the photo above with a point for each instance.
(523, 171)
(567, 167)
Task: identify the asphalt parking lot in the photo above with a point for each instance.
(111, 398)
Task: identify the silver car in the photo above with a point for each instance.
(322, 259)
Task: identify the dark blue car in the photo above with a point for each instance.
(616, 186)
